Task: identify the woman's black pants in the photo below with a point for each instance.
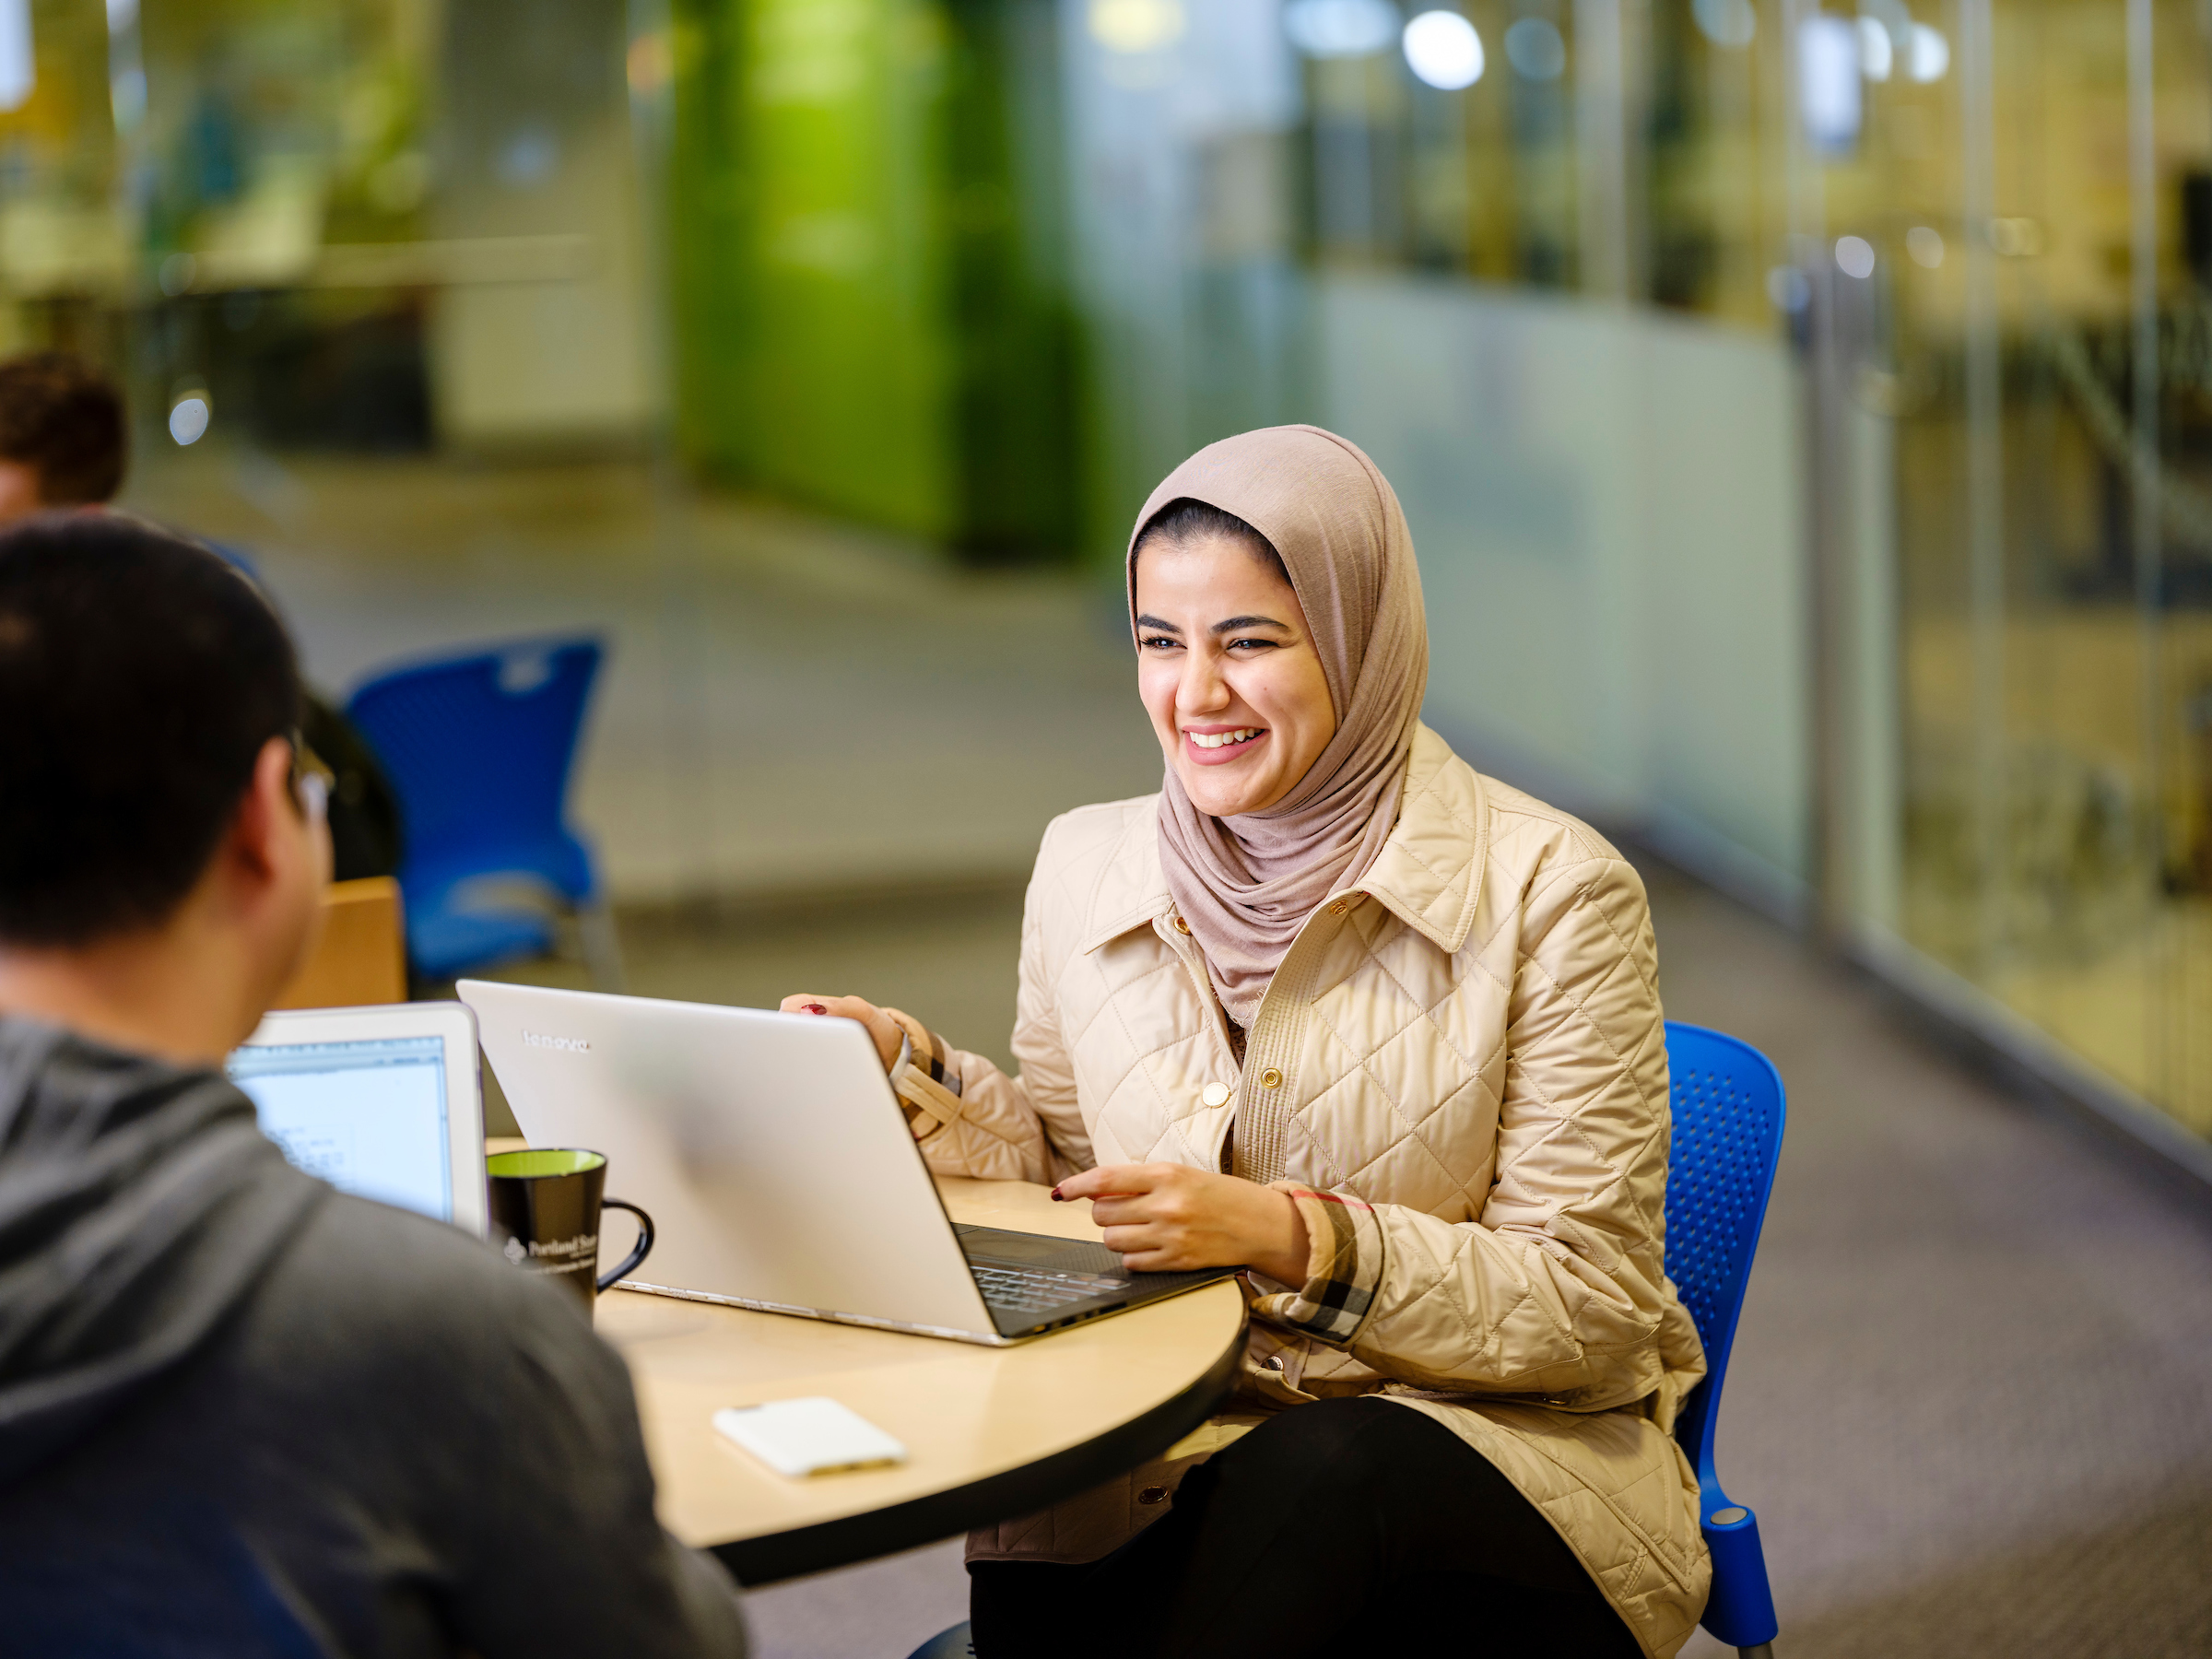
(1346, 1527)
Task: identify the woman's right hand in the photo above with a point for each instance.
(881, 1027)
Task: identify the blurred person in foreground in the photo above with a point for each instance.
(1335, 1007)
(64, 443)
(240, 1412)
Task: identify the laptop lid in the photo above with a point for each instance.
(768, 1147)
(386, 1103)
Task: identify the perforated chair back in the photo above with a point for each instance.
(1728, 1110)
(479, 748)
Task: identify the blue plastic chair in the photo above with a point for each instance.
(1728, 1110)
(479, 748)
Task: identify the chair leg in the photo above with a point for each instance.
(602, 944)
(1765, 1649)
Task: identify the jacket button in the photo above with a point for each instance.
(1182, 927)
(1271, 1078)
(1215, 1094)
(1273, 1362)
(1153, 1494)
(1339, 908)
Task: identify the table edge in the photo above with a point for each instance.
(819, 1547)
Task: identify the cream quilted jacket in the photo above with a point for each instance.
(1471, 1042)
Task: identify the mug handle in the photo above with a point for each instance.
(637, 1254)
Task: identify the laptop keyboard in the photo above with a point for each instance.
(1034, 1290)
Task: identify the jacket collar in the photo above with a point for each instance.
(1429, 872)
(1133, 889)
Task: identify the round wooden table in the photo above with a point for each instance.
(989, 1432)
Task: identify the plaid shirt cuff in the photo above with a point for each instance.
(1344, 1265)
(925, 1080)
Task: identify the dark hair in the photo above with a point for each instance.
(64, 418)
(140, 676)
(1186, 519)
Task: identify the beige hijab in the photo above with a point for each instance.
(1246, 884)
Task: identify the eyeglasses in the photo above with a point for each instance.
(312, 781)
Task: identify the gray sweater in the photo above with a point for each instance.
(243, 1414)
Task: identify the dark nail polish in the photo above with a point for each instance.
(1058, 1196)
(816, 1008)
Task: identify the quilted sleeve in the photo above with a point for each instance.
(1344, 1262)
(971, 1118)
(1558, 1290)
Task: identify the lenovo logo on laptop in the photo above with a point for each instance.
(574, 1045)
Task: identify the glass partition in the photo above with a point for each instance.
(2020, 296)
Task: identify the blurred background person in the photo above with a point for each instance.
(64, 443)
(65, 440)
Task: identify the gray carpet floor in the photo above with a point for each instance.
(1971, 1397)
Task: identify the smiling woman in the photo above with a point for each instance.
(1335, 1007)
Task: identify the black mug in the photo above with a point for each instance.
(545, 1207)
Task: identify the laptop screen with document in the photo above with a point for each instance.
(368, 1101)
(369, 1117)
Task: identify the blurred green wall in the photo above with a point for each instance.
(864, 226)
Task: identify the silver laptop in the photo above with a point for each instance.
(778, 1168)
(385, 1102)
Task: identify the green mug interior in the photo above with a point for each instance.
(543, 1160)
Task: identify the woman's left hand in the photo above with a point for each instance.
(1166, 1217)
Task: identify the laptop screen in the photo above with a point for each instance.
(370, 1117)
